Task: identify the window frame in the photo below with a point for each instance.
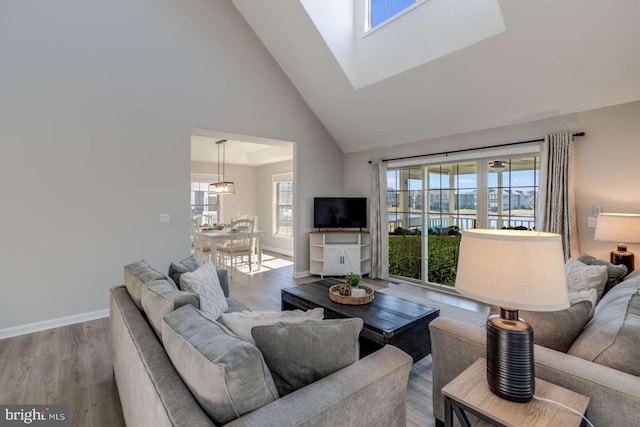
(369, 28)
(277, 179)
(205, 179)
(482, 159)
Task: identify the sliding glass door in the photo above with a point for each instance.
(429, 205)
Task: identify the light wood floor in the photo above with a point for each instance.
(72, 364)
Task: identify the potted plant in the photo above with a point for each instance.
(353, 279)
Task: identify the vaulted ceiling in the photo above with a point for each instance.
(553, 58)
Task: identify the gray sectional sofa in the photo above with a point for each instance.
(371, 391)
(603, 362)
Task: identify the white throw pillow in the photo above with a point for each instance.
(241, 323)
(205, 282)
(582, 276)
(580, 295)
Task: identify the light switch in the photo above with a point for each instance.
(164, 218)
(591, 222)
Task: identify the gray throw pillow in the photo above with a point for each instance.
(556, 329)
(226, 375)
(615, 273)
(136, 275)
(299, 354)
(187, 265)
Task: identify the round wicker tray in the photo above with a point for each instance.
(335, 296)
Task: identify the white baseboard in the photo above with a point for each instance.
(300, 274)
(53, 323)
(278, 250)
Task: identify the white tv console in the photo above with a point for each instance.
(337, 252)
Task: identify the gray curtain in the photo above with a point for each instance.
(378, 221)
(557, 205)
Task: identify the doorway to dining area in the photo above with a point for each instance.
(260, 172)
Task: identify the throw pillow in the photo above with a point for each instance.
(583, 276)
(556, 329)
(160, 298)
(205, 282)
(615, 273)
(136, 276)
(241, 323)
(227, 375)
(187, 265)
(299, 354)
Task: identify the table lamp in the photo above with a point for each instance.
(619, 227)
(514, 270)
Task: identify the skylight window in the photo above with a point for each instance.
(382, 10)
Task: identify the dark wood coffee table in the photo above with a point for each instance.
(387, 320)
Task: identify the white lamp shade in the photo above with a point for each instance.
(618, 227)
(521, 270)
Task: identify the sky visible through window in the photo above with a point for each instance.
(381, 10)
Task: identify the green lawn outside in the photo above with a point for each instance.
(405, 257)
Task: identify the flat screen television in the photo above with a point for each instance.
(340, 212)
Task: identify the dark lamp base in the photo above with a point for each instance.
(510, 367)
(623, 257)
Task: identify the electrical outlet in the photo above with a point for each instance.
(591, 222)
(164, 218)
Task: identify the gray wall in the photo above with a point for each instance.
(606, 171)
(98, 101)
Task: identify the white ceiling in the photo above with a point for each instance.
(205, 149)
(555, 57)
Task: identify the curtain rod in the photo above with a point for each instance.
(464, 150)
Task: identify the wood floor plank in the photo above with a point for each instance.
(106, 408)
(74, 390)
(16, 367)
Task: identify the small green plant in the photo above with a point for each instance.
(353, 279)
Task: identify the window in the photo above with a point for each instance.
(429, 205)
(283, 204)
(202, 201)
(383, 10)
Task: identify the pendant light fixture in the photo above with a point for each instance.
(222, 187)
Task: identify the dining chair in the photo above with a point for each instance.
(241, 245)
(201, 246)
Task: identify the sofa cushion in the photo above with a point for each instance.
(583, 276)
(136, 275)
(611, 338)
(556, 329)
(177, 269)
(160, 298)
(226, 374)
(299, 354)
(205, 283)
(241, 323)
(615, 273)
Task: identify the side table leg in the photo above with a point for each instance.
(448, 413)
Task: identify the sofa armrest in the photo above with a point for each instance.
(614, 395)
(369, 392)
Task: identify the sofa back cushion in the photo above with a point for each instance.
(299, 354)
(160, 297)
(136, 275)
(556, 329)
(612, 337)
(226, 374)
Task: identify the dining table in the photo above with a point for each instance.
(219, 236)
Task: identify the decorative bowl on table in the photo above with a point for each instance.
(336, 296)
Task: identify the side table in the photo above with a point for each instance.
(469, 393)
